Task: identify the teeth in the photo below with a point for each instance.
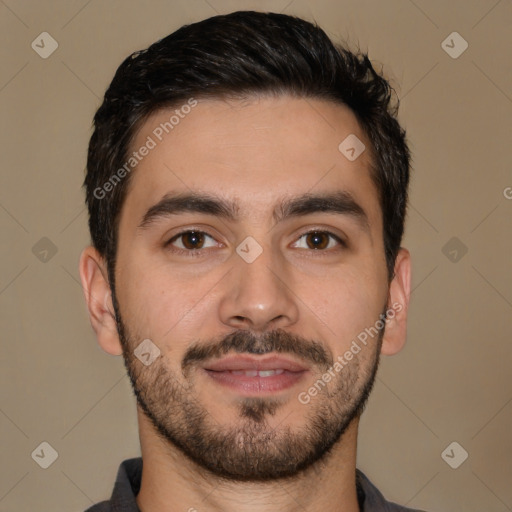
(261, 373)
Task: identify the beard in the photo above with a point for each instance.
(250, 449)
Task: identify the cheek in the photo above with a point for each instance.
(165, 305)
(346, 304)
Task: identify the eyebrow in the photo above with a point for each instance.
(340, 202)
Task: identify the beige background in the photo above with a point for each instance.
(452, 381)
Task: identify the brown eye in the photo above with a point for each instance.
(318, 240)
(193, 240)
(190, 240)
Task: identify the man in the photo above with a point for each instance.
(247, 187)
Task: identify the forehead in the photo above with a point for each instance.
(255, 151)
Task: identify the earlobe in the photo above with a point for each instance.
(395, 333)
(98, 298)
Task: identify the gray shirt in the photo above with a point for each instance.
(129, 477)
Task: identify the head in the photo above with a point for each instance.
(290, 248)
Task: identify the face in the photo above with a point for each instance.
(251, 255)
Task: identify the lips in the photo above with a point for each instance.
(255, 364)
(249, 376)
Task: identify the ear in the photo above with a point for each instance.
(98, 297)
(395, 332)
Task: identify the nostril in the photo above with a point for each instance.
(240, 318)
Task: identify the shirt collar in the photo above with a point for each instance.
(129, 478)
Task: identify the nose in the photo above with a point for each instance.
(258, 295)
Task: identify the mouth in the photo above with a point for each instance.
(253, 375)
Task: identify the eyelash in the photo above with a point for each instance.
(199, 252)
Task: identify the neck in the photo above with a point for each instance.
(171, 481)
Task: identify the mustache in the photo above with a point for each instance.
(243, 341)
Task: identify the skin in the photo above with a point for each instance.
(255, 152)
